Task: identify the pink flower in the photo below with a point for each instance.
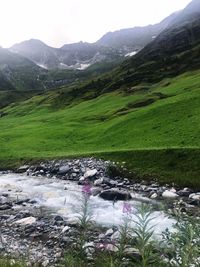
(106, 245)
(127, 208)
(86, 189)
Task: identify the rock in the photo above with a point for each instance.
(3, 200)
(195, 196)
(22, 214)
(63, 170)
(99, 182)
(5, 207)
(81, 181)
(89, 247)
(90, 173)
(112, 182)
(114, 195)
(65, 229)
(58, 218)
(20, 202)
(115, 236)
(133, 252)
(184, 193)
(26, 221)
(45, 263)
(109, 232)
(96, 190)
(194, 202)
(169, 194)
(154, 196)
(23, 169)
(73, 221)
(111, 247)
(173, 190)
(33, 201)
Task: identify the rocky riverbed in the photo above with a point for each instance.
(40, 206)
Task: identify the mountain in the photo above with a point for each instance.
(82, 54)
(111, 48)
(134, 39)
(72, 56)
(173, 52)
(17, 72)
(38, 52)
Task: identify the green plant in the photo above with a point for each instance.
(143, 233)
(11, 263)
(76, 255)
(183, 244)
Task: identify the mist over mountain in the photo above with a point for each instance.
(160, 49)
(174, 51)
(110, 48)
(17, 72)
(71, 56)
(134, 39)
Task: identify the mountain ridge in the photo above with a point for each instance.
(82, 54)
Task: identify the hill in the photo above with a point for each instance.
(166, 116)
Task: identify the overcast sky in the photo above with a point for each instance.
(57, 22)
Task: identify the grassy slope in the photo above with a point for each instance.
(112, 122)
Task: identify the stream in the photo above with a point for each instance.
(40, 207)
(58, 197)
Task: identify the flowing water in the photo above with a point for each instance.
(58, 197)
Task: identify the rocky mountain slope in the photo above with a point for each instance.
(72, 56)
(174, 51)
(134, 39)
(17, 72)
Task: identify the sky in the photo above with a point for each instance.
(58, 22)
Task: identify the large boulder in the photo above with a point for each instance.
(115, 194)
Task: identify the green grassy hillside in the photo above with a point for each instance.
(156, 118)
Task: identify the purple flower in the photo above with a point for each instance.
(127, 208)
(106, 245)
(86, 189)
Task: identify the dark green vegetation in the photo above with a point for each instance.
(168, 166)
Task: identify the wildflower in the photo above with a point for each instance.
(106, 245)
(127, 207)
(86, 189)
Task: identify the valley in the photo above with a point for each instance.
(100, 149)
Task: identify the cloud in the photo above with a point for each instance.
(62, 21)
